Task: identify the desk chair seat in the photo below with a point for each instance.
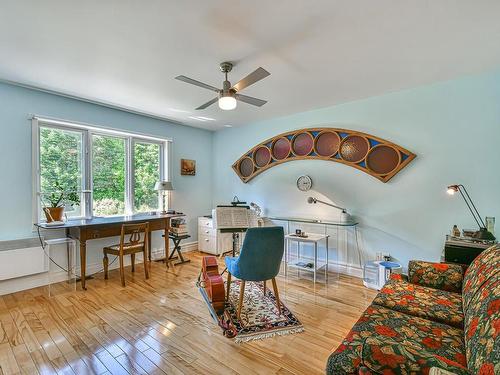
(126, 247)
(138, 243)
(259, 260)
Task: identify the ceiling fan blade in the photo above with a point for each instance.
(208, 104)
(250, 79)
(196, 83)
(250, 100)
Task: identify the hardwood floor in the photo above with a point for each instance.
(161, 325)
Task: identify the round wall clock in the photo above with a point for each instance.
(304, 183)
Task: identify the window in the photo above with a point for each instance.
(61, 166)
(147, 161)
(112, 173)
(108, 175)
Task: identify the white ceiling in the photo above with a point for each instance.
(319, 53)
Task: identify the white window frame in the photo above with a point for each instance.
(88, 131)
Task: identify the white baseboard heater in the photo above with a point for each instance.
(22, 257)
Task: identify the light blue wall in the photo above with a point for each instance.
(192, 195)
(453, 127)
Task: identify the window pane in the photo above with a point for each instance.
(61, 170)
(146, 173)
(108, 175)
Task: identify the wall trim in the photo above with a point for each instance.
(41, 279)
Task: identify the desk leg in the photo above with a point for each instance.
(149, 245)
(83, 262)
(167, 241)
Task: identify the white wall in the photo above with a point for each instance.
(452, 127)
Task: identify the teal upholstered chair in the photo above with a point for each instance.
(259, 260)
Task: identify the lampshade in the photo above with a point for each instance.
(227, 103)
(164, 186)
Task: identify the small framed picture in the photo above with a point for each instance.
(188, 167)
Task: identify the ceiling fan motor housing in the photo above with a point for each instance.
(226, 67)
(226, 89)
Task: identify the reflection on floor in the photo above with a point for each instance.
(162, 326)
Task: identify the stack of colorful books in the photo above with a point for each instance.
(178, 227)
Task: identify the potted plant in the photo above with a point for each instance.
(56, 200)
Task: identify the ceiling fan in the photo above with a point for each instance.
(228, 95)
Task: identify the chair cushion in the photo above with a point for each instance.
(436, 275)
(433, 304)
(482, 329)
(481, 269)
(126, 246)
(414, 338)
(232, 266)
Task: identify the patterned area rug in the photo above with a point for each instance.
(259, 314)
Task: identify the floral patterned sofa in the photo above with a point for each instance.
(435, 319)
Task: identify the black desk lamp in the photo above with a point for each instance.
(482, 233)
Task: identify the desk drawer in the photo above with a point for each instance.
(207, 244)
(207, 231)
(205, 222)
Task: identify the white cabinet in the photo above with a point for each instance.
(211, 240)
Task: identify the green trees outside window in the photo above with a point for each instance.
(108, 175)
(146, 173)
(61, 167)
(122, 169)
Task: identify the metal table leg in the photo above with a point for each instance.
(315, 260)
(298, 258)
(286, 256)
(357, 246)
(326, 266)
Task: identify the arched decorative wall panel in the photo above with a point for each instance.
(376, 156)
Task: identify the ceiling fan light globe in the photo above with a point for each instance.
(227, 103)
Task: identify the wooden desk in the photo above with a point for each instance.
(102, 227)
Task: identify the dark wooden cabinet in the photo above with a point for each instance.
(462, 251)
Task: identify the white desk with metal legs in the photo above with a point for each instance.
(313, 238)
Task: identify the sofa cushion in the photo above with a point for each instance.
(481, 269)
(482, 329)
(385, 356)
(431, 338)
(442, 276)
(433, 304)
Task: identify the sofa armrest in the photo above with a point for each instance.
(442, 276)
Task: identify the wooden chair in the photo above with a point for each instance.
(137, 242)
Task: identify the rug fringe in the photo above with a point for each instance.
(261, 336)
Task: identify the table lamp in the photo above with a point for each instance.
(344, 217)
(482, 233)
(163, 187)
